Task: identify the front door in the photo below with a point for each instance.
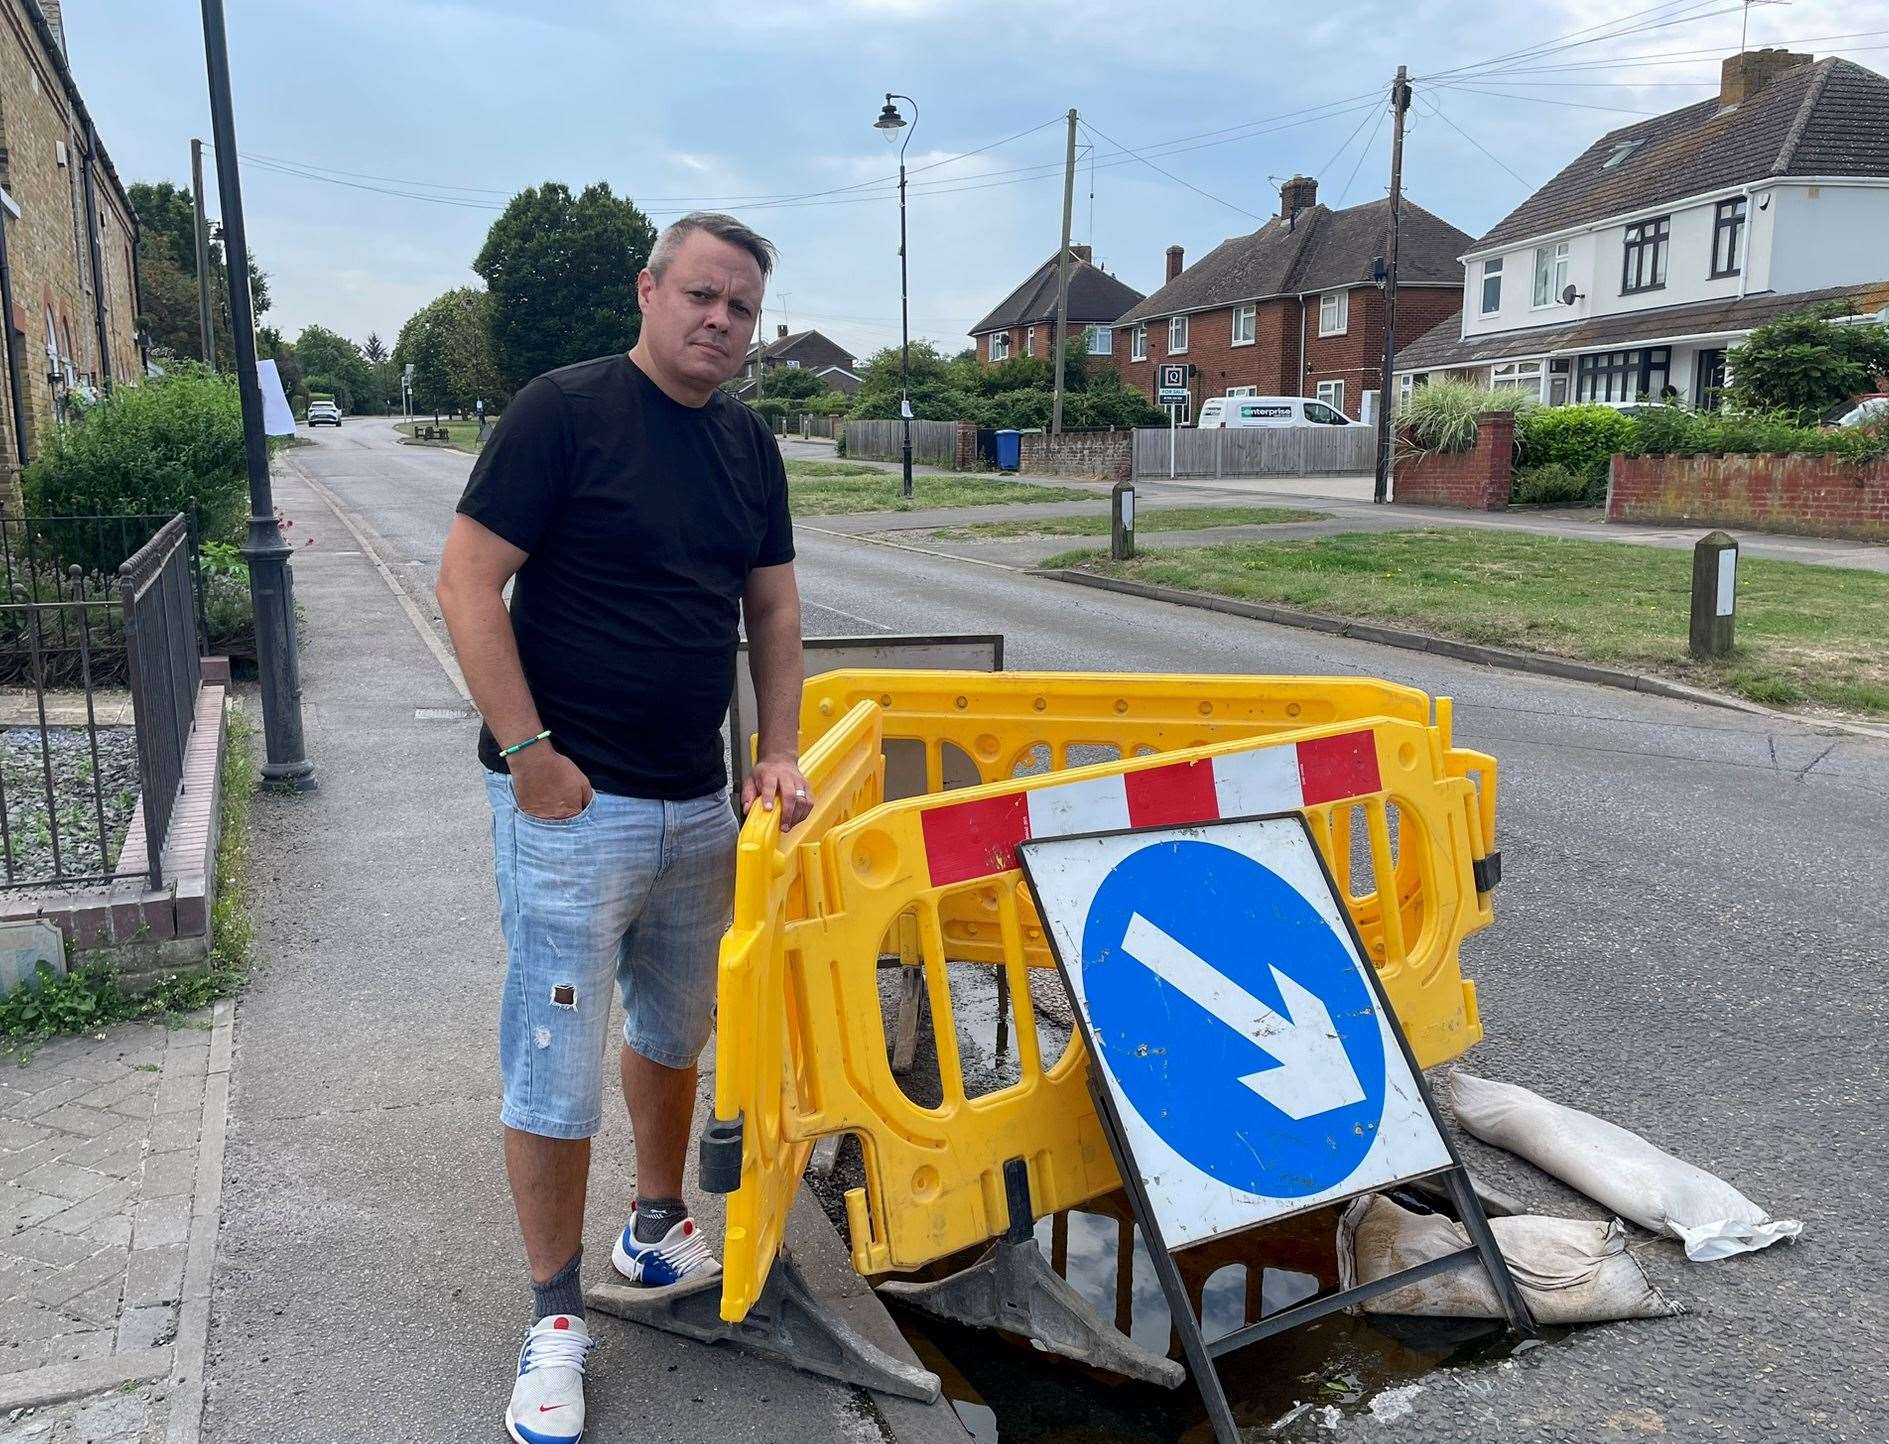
(1708, 386)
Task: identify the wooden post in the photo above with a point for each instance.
(1121, 533)
(1714, 588)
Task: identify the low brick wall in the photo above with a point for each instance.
(964, 448)
(1812, 495)
(1102, 455)
(1477, 480)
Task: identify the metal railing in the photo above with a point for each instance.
(71, 770)
(161, 647)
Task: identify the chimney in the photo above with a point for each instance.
(780, 331)
(54, 21)
(1743, 75)
(1174, 262)
(1083, 253)
(1298, 194)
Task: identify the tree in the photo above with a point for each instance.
(342, 369)
(167, 264)
(1806, 362)
(374, 348)
(561, 272)
(448, 342)
(793, 383)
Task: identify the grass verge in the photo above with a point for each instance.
(1806, 635)
(464, 434)
(831, 488)
(1173, 518)
(89, 997)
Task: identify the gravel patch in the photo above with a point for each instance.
(29, 821)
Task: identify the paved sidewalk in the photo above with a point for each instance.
(370, 1278)
(107, 1217)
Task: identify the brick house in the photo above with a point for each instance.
(1293, 308)
(1665, 243)
(803, 351)
(1024, 322)
(71, 236)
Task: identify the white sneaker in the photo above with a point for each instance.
(680, 1254)
(548, 1400)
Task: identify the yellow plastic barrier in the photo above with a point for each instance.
(801, 1046)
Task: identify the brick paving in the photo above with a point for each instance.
(99, 1142)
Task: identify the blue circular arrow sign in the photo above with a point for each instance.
(1234, 1019)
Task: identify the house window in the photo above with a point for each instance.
(1492, 286)
(1728, 237)
(1407, 385)
(793, 365)
(1334, 313)
(1332, 393)
(1522, 376)
(1623, 375)
(1177, 335)
(1242, 391)
(1101, 341)
(1643, 260)
(1138, 344)
(1245, 324)
(999, 345)
(1029, 340)
(1551, 273)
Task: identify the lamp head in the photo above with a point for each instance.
(889, 121)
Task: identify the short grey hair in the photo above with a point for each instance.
(722, 228)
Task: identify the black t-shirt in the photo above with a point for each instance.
(642, 518)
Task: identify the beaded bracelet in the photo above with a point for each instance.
(521, 746)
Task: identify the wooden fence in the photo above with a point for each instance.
(1255, 451)
(934, 443)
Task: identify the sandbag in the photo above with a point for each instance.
(1570, 1270)
(1618, 1169)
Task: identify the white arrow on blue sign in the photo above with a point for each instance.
(1252, 1067)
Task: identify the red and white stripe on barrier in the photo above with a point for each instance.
(977, 839)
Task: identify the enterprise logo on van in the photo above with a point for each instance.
(1258, 412)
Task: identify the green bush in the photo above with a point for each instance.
(1549, 483)
(150, 450)
(1442, 416)
(1581, 439)
(1674, 431)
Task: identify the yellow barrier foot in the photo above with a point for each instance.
(1013, 1288)
(789, 1323)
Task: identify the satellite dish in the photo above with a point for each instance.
(1569, 295)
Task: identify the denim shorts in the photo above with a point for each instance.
(632, 890)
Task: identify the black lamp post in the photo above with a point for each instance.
(890, 121)
(286, 763)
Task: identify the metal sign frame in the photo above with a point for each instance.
(1201, 1352)
(1167, 389)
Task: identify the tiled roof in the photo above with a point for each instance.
(1441, 347)
(1324, 249)
(1825, 117)
(1094, 297)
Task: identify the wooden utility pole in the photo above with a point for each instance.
(1400, 103)
(205, 329)
(1062, 275)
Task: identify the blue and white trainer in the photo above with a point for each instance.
(680, 1254)
(548, 1399)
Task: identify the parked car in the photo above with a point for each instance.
(323, 413)
(1243, 411)
(1860, 410)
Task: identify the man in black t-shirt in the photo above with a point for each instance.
(640, 515)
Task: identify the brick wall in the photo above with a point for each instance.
(1477, 479)
(1357, 356)
(48, 247)
(1813, 495)
(964, 448)
(1102, 454)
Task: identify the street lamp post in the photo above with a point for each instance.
(890, 121)
(286, 761)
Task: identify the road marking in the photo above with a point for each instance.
(1314, 1073)
(907, 547)
(449, 664)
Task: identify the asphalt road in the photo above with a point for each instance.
(1690, 941)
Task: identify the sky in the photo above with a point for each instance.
(381, 137)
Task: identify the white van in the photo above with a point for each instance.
(1270, 411)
